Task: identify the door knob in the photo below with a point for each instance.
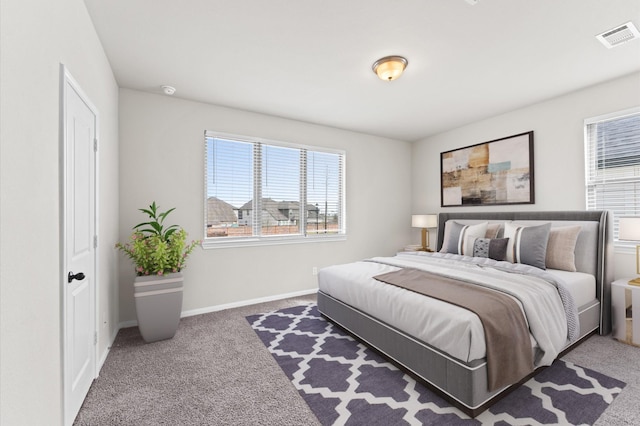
(71, 276)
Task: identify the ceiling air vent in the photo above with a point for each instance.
(619, 35)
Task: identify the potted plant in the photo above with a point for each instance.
(159, 254)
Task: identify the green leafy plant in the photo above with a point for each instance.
(154, 249)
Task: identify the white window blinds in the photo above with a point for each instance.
(259, 191)
(279, 190)
(612, 151)
(324, 192)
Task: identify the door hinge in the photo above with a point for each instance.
(95, 145)
(95, 338)
(95, 241)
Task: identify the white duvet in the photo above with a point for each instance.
(454, 330)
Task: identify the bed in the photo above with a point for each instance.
(444, 345)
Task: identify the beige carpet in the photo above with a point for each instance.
(216, 371)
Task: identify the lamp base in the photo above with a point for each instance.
(425, 241)
(635, 281)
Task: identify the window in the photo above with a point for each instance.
(266, 192)
(612, 151)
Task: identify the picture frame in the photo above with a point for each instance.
(497, 172)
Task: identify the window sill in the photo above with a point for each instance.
(209, 243)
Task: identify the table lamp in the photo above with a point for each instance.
(424, 221)
(629, 230)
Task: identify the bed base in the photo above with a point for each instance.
(462, 384)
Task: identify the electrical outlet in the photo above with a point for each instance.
(314, 270)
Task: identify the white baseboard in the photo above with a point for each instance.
(105, 354)
(216, 308)
(245, 303)
(103, 358)
(127, 324)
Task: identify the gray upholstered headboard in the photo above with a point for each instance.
(593, 250)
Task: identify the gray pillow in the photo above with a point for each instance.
(493, 248)
(527, 244)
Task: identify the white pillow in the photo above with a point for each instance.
(455, 235)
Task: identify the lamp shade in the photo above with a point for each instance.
(390, 67)
(629, 228)
(424, 221)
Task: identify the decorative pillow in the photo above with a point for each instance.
(455, 235)
(492, 230)
(527, 244)
(493, 248)
(561, 248)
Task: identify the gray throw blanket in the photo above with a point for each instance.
(509, 351)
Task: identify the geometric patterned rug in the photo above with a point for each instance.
(346, 383)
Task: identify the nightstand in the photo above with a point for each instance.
(625, 306)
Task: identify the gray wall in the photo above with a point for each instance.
(162, 159)
(558, 126)
(35, 37)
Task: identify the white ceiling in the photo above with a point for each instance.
(310, 60)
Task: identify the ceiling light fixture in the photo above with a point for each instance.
(390, 67)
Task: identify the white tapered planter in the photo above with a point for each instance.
(158, 305)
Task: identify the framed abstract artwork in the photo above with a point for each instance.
(491, 173)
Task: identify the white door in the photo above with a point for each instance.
(79, 282)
